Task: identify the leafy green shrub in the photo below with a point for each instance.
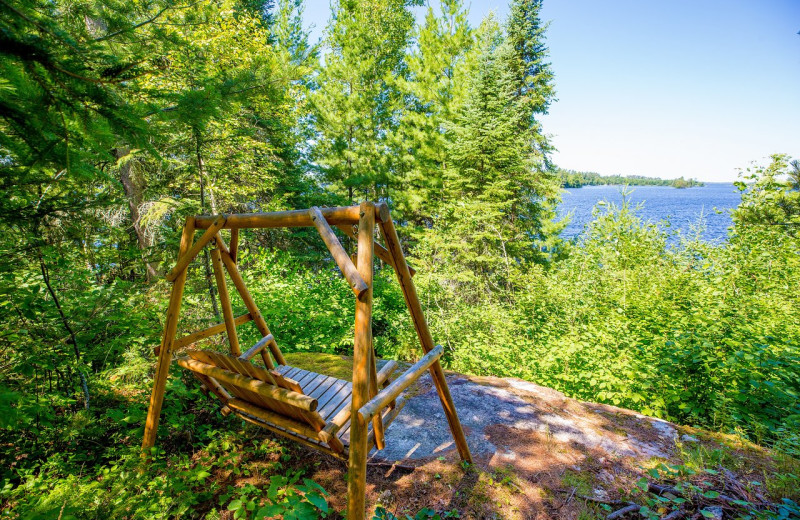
(699, 333)
(285, 499)
(700, 491)
(423, 514)
(310, 308)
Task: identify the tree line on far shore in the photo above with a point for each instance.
(576, 179)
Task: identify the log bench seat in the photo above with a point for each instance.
(310, 408)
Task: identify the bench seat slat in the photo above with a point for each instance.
(323, 387)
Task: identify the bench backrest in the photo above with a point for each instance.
(245, 368)
(265, 389)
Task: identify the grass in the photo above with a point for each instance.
(340, 367)
(332, 365)
(581, 481)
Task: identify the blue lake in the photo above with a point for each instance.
(671, 208)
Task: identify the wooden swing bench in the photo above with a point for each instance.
(344, 419)
(312, 409)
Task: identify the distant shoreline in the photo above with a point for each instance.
(576, 179)
(701, 185)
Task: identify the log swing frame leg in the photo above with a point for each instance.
(426, 340)
(357, 463)
(165, 351)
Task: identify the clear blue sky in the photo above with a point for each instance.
(693, 88)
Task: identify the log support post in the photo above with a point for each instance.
(234, 250)
(225, 301)
(357, 464)
(415, 308)
(165, 350)
(249, 302)
(187, 256)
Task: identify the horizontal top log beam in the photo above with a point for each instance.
(293, 218)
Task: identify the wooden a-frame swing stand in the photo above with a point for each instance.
(341, 418)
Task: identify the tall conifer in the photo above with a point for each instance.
(497, 149)
(355, 106)
(528, 57)
(433, 91)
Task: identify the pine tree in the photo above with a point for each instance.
(498, 170)
(528, 57)
(525, 55)
(433, 90)
(298, 60)
(489, 161)
(355, 106)
(225, 114)
(289, 34)
(66, 100)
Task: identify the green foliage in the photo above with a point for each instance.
(356, 105)
(315, 312)
(423, 514)
(699, 334)
(284, 499)
(771, 195)
(701, 490)
(66, 99)
(175, 485)
(434, 89)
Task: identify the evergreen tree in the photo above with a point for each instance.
(489, 159)
(289, 34)
(433, 91)
(498, 166)
(356, 107)
(527, 59)
(298, 61)
(66, 100)
(526, 56)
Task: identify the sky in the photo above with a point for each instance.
(664, 89)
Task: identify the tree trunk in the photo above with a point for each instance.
(201, 173)
(133, 194)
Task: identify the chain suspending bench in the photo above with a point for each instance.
(313, 409)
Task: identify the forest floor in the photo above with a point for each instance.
(540, 454)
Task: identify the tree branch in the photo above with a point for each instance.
(65, 322)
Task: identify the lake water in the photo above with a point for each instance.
(671, 208)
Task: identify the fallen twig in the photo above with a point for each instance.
(675, 515)
(619, 513)
(382, 464)
(659, 489)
